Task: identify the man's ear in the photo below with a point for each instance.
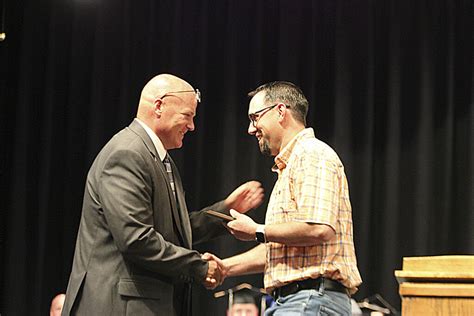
(158, 107)
(281, 111)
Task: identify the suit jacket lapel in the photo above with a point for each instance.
(182, 222)
(182, 206)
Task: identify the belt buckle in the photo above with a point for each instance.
(297, 287)
(275, 293)
(286, 290)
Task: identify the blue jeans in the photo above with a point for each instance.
(311, 302)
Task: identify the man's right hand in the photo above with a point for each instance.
(216, 271)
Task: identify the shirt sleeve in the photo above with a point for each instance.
(315, 189)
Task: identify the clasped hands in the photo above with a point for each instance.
(216, 272)
(243, 228)
(247, 196)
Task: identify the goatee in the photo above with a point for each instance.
(265, 148)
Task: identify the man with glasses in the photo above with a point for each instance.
(306, 247)
(134, 247)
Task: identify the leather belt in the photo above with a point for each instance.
(296, 286)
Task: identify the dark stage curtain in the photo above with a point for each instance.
(390, 89)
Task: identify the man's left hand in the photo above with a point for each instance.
(243, 227)
(246, 197)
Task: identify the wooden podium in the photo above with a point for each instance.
(439, 285)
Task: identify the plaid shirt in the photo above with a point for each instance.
(311, 188)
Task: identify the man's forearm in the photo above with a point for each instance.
(299, 234)
(250, 262)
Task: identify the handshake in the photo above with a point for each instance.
(242, 228)
(217, 271)
(247, 196)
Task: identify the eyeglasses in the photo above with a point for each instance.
(255, 116)
(197, 92)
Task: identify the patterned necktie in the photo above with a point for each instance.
(169, 171)
(182, 217)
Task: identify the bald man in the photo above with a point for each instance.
(134, 246)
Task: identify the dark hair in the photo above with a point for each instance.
(288, 93)
(244, 298)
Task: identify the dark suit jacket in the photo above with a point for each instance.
(133, 249)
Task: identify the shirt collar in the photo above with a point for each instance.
(156, 141)
(281, 160)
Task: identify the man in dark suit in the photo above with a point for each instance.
(133, 252)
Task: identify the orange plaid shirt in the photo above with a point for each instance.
(311, 188)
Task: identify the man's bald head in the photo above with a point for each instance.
(168, 106)
(156, 87)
